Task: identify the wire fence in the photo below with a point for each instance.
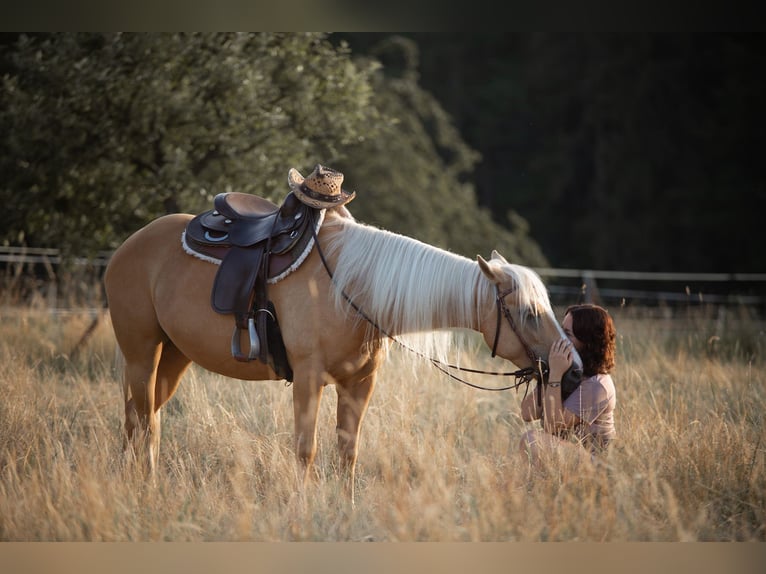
(63, 287)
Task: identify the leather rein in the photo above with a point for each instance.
(521, 376)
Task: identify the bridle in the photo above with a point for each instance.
(538, 371)
(541, 370)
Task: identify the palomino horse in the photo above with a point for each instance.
(159, 300)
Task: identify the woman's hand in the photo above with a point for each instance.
(559, 359)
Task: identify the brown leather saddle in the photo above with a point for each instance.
(255, 240)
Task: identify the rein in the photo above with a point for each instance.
(521, 376)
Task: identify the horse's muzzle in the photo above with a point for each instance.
(572, 377)
(571, 380)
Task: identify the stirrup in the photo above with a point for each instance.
(255, 343)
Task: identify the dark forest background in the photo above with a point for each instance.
(602, 151)
(622, 151)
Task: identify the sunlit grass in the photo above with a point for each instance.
(438, 460)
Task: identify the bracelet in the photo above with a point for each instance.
(554, 385)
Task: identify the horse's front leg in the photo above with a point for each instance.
(306, 398)
(353, 398)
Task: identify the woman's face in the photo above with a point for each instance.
(566, 324)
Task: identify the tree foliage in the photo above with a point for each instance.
(104, 132)
(100, 133)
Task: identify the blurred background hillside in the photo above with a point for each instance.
(633, 152)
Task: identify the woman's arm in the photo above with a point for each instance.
(556, 417)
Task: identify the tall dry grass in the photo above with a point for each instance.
(438, 460)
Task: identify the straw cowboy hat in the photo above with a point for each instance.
(321, 188)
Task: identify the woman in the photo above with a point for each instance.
(579, 425)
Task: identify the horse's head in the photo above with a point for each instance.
(520, 325)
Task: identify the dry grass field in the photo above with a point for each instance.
(438, 460)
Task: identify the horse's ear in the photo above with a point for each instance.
(492, 269)
(496, 255)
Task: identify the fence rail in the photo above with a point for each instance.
(649, 275)
(707, 288)
(33, 255)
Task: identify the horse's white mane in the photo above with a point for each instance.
(407, 286)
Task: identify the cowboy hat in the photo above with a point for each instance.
(321, 188)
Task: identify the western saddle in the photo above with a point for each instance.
(255, 241)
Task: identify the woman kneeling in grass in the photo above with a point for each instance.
(576, 424)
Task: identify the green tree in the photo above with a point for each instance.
(103, 132)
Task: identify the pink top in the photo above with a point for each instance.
(593, 402)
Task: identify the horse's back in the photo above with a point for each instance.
(153, 237)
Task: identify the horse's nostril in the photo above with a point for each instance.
(573, 375)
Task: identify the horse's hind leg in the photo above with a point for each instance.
(150, 380)
(141, 421)
(173, 364)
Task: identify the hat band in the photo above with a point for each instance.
(321, 196)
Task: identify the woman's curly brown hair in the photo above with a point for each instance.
(593, 326)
